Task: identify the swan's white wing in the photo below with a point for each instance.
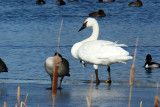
(102, 52)
(103, 42)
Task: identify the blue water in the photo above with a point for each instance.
(29, 34)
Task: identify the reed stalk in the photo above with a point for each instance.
(132, 73)
(18, 96)
(156, 100)
(57, 61)
(53, 100)
(132, 70)
(90, 95)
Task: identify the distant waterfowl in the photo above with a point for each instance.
(149, 64)
(99, 13)
(60, 2)
(138, 3)
(3, 67)
(72, 0)
(98, 52)
(40, 2)
(63, 68)
(106, 0)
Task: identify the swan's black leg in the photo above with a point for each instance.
(97, 79)
(109, 73)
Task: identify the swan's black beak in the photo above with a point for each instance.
(83, 27)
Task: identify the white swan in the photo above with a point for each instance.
(98, 52)
(63, 69)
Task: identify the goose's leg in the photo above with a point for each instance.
(60, 83)
(51, 81)
(109, 73)
(97, 79)
(51, 84)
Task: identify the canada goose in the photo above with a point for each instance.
(3, 67)
(63, 68)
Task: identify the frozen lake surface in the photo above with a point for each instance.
(29, 33)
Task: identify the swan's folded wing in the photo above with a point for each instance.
(98, 52)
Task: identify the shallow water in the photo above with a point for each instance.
(29, 34)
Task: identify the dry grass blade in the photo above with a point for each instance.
(23, 103)
(5, 104)
(18, 95)
(56, 66)
(59, 35)
(141, 104)
(90, 95)
(26, 98)
(132, 73)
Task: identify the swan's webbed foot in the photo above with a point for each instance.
(108, 81)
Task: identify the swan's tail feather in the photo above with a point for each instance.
(121, 45)
(124, 59)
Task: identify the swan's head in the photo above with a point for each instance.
(89, 22)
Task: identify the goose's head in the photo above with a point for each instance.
(57, 53)
(89, 22)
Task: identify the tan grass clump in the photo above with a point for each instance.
(5, 104)
(20, 103)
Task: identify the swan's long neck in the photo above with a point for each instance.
(94, 36)
(95, 33)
